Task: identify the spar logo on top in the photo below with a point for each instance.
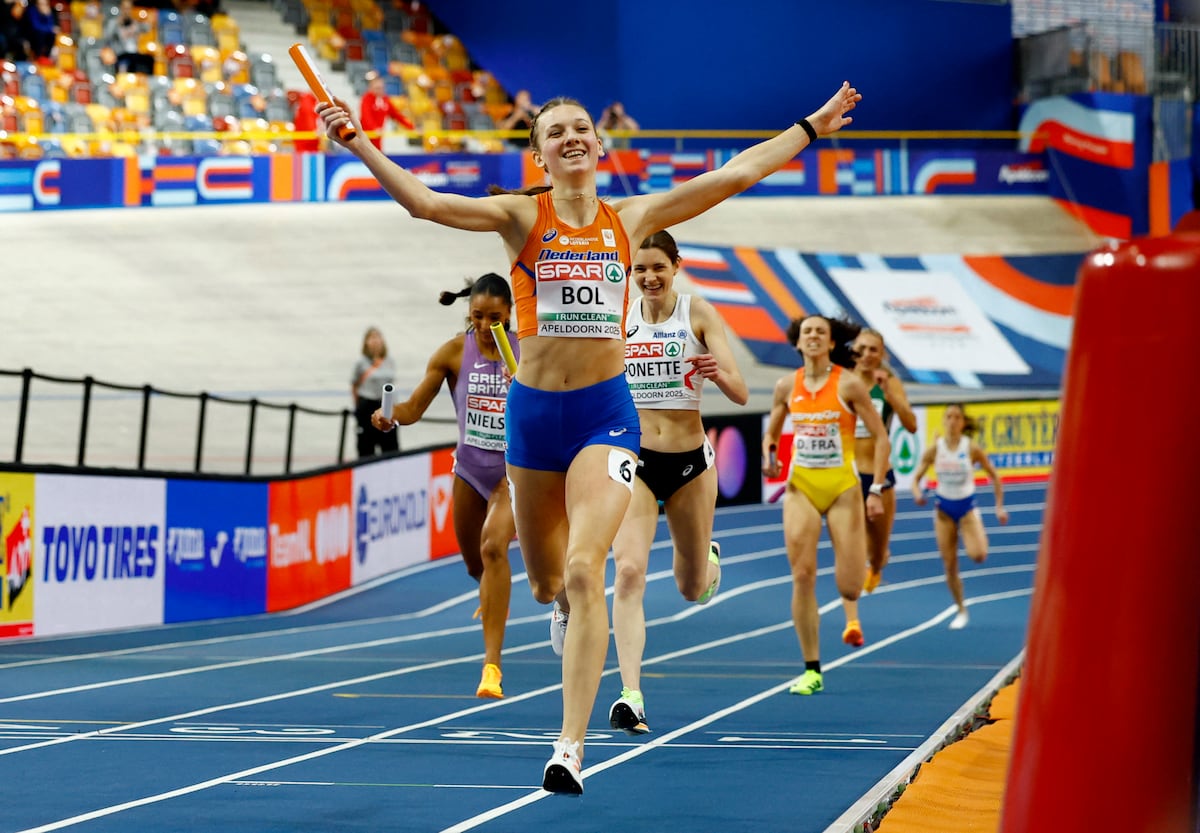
(100, 547)
(906, 452)
(391, 515)
(309, 531)
(17, 555)
(216, 550)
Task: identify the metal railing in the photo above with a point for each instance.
(1111, 55)
(144, 396)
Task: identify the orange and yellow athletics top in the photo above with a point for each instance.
(822, 441)
(572, 282)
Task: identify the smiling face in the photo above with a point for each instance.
(565, 141)
(654, 273)
(868, 347)
(486, 310)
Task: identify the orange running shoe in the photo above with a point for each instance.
(489, 683)
(873, 579)
(853, 634)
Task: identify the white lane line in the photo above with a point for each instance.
(537, 795)
(534, 796)
(535, 618)
(463, 598)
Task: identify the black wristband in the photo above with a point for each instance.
(808, 128)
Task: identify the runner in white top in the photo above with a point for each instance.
(673, 344)
(954, 456)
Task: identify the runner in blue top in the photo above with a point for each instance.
(954, 456)
(470, 363)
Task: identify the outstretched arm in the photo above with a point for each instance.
(647, 214)
(443, 365)
(502, 213)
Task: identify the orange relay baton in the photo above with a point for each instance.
(316, 83)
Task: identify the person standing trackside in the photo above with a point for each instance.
(571, 425)
(954, 456)
(372, 371)
(823, 398)
(673, 344)
(471, 366)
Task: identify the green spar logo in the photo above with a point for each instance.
(906, 451)
(673, 349)
(614, 272)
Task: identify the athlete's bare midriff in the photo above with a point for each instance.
(671, 431)
(569, 363)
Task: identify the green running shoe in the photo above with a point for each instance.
(714, 557)
(807, 683)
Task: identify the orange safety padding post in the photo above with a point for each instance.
(1106, 717)
(1160, 198)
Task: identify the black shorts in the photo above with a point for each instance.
(889, 482)
(665, 473)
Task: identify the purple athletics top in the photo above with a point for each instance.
(479, 402)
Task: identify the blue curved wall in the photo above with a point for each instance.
(699, 64)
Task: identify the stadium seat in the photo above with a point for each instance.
(170, 28)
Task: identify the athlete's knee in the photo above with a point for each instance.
(545, 589)
(630, 580)
(492, 552)
(693, 585)
(804, 575)
(850, 592)
(584, 579)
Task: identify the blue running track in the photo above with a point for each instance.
(359, 713)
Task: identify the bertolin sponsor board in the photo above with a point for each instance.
(100, 542)
(391, 516)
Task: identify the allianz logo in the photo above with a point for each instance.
(187, 546)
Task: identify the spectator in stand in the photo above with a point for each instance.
(614, 117)
(121, 35)
(40, 25)
(521, 118)
(377, 108)
(12, 45)
(305, 121)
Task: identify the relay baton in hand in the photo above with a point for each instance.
(389, 399)
(510, 361)
(317, 84)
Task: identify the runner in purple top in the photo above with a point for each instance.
(470, 363)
